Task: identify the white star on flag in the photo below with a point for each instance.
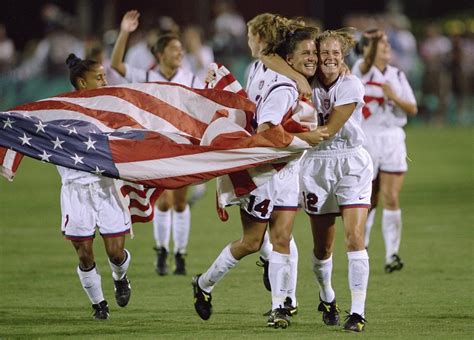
(45, 156)
(57, 143)
(98, 171)
(25, 139)
(8, 123)
(77, 159)
(90, 143)
(73, 130)
(40, 127)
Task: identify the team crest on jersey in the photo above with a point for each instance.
(327, 104)
(260, 84)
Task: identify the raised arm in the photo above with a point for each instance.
(128, 25)
(277, 64)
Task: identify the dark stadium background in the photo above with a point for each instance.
(23, 22)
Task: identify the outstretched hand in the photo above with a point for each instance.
(130, 21)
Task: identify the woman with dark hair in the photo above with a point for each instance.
(275, 202)
(335, 178)
(90, 201)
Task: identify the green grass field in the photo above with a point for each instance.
(432, 297)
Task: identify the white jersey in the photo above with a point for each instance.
(380, 112)
(347, 89)
(275, 95)
(255, 82)
(183, 77)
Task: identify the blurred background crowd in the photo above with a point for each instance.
(433, 44)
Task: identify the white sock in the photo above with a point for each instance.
(266, 247)
(119, 271)
(293, 271)
(279, 274)
(181, 225)
(323, 271)
(392, 232)
(222, 264)
(162, 227)
(358, 279)
(368, 226)
(91, 283)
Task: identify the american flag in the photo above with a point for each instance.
(152, 135)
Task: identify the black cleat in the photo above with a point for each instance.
(288, 305)
(101, 310)
(202, 300)
(293, 310)
(264, 264)
(180, 264)
(330, 312)
(279, 318)
(354, 323)
(122, 291)
(396, 264)
(161, 261)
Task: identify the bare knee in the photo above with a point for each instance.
(281, 243)
(86, 257)
(322, 253)
(115, 250)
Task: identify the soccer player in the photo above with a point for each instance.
(275, 202)
(257, 84)
(389, 100)
(89, 201)
(172, 212)
(335, 177)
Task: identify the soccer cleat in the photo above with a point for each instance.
(354, 323)
(266, 280)
(202, 300)
(122, 291)
(330, 312)
(396, 264)
(279, 318)
(161, 258)
(288, 305)
(180, 264)
(101, 310)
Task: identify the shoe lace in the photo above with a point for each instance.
(122, 285)
(354, 317)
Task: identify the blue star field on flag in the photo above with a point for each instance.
(70, 143)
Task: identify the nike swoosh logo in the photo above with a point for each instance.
(361, 198)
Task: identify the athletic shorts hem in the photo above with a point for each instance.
(111, 235)
(256, 219)
(79, 238)
(354, 206)
(399, 173)
(285, 208)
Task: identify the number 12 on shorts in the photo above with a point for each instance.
(261, 207)
(310, 201)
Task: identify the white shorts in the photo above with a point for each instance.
(279, 193)
(85, 207)
(387, 149)
(333, 180)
